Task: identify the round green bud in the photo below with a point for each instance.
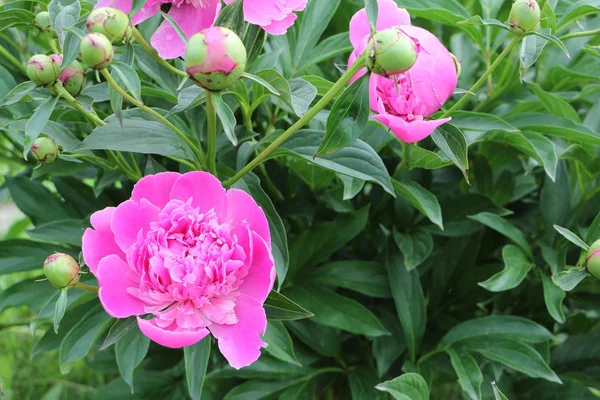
(96, 50)
(72, 77)
(44, 150)
(524, 16)
(61, 270)
(42, 69)
(215, 58)
(391, 52)
(42, 21)
(592, 262)
(112, 23)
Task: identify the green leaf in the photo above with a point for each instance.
(78, 342)
(18, 255)
(593, 233)
(15, 18)
(279, 307)
(553, 297)
(232, 17)
(347, 119)
(322, 339)
(366, 277)
(516, 267)
(337, 311)
(504, 227)
(571, 237)
(516, 355)
(275, 81)
(330, 47)
(554, 104)
(476, 121)
(409, 386)
(130, 352)
(18, 92)
(453, 144)
(279, 342)
(251, 185)
(577, 10)
(175, 26)
(257, 390)
(419, 157)
(187, 98)
(63, 14)
(477, 20)
(36, 123)
(372, 11)
(409, 300)
(261, 82)
(67, 231)
(569, 278)
(503, 326)
(498, 395)
(129, 78)
(358, 160)
(415, 246)
(196, 362)
(468, 372)
(28, 293)
(60, 308)
(225, 116)
(303, 93)
(552, 125)
(553, 39)
(531, 49)
(422, 199)
(71, 46)
(387, 349)
(118, 330)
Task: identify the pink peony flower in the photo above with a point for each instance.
(194, 255)
(191, 15)
(420, 91)
(274, 16)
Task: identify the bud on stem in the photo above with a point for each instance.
(44, 150)
(524, 16)
(391, 52)
(61, 270)
(42, 21)
(42, 70)
(592, 262)
(96, 51)
(112, 23)
(72, 77)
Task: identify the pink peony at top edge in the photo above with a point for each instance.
(420, 91)
(192, 16)
(274, 16)
(196, 256)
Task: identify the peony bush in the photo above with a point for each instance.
(348, 199)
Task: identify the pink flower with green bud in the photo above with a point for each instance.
(72, 77)
(592, 262)
(96, 51)
(61, 270)
(42, 69)
(44, 150)
(112, 23)
(42, 21)
(391, 52)
(524, 16)
(215, 58)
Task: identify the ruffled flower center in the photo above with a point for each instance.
(190, 267)
(399, 99)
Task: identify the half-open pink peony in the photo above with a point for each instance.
(420, 91)
(274, 16)
(191, 15)
(194, 255)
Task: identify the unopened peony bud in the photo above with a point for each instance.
(391, 52)
(61, 270)
(215, 58)
(524, 16)
(72, 77)
(112, 23)
(96, 51)
(44, 150)
(42, 21)
(42, 70)
(592, 262)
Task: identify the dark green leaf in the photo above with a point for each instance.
(409, 386)
(415, 246)
(60, 308)
(68, 231)
(232, 17)
(36, 123)
(468, 372)
(226, 116)
(118, 330)
(453, 144)
(279, 342)
(571, 237)
(129, 78)
(553, 297)
(516, 267)
(421, 199)
(372, 11)
(18, 92)
(504, 227)
(63, 14)
(279, 307)
(196, 361)
(367, 277)
(569, 278)
(130, 352)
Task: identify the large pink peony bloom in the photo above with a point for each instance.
(191, 15)
(420, 91)
(274, 16)
(194, 255)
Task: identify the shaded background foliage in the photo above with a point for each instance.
(449, 284)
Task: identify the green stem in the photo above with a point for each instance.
(211, 147)
(18, 64)
(325, 100)
(99, 161)
(182, 136)
(75, 104)
(135, 165)
(579, 34)
(124, 168)
(84, 286)
(140, 39)
(484, 77)
(430, 354)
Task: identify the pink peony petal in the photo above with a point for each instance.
(241, 343)
(113, 281)
(242, 207)
(204, 189)
(191, 20)
(262, 12)
(261, 277)
(131, 217)
(155, 188)
(148, 10)
(388, 16)
(123, 5)
(170, 338)
(410, 132)
(100, 242)
(280, 27)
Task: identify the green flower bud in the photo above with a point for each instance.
(96, 50)
(215, 58)
(44, 150)
(42, 70)
(391, 52)
(61, 270)
(42, 21)
(524, 16)
(72, 77)
(112, 23)
(592, 262)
